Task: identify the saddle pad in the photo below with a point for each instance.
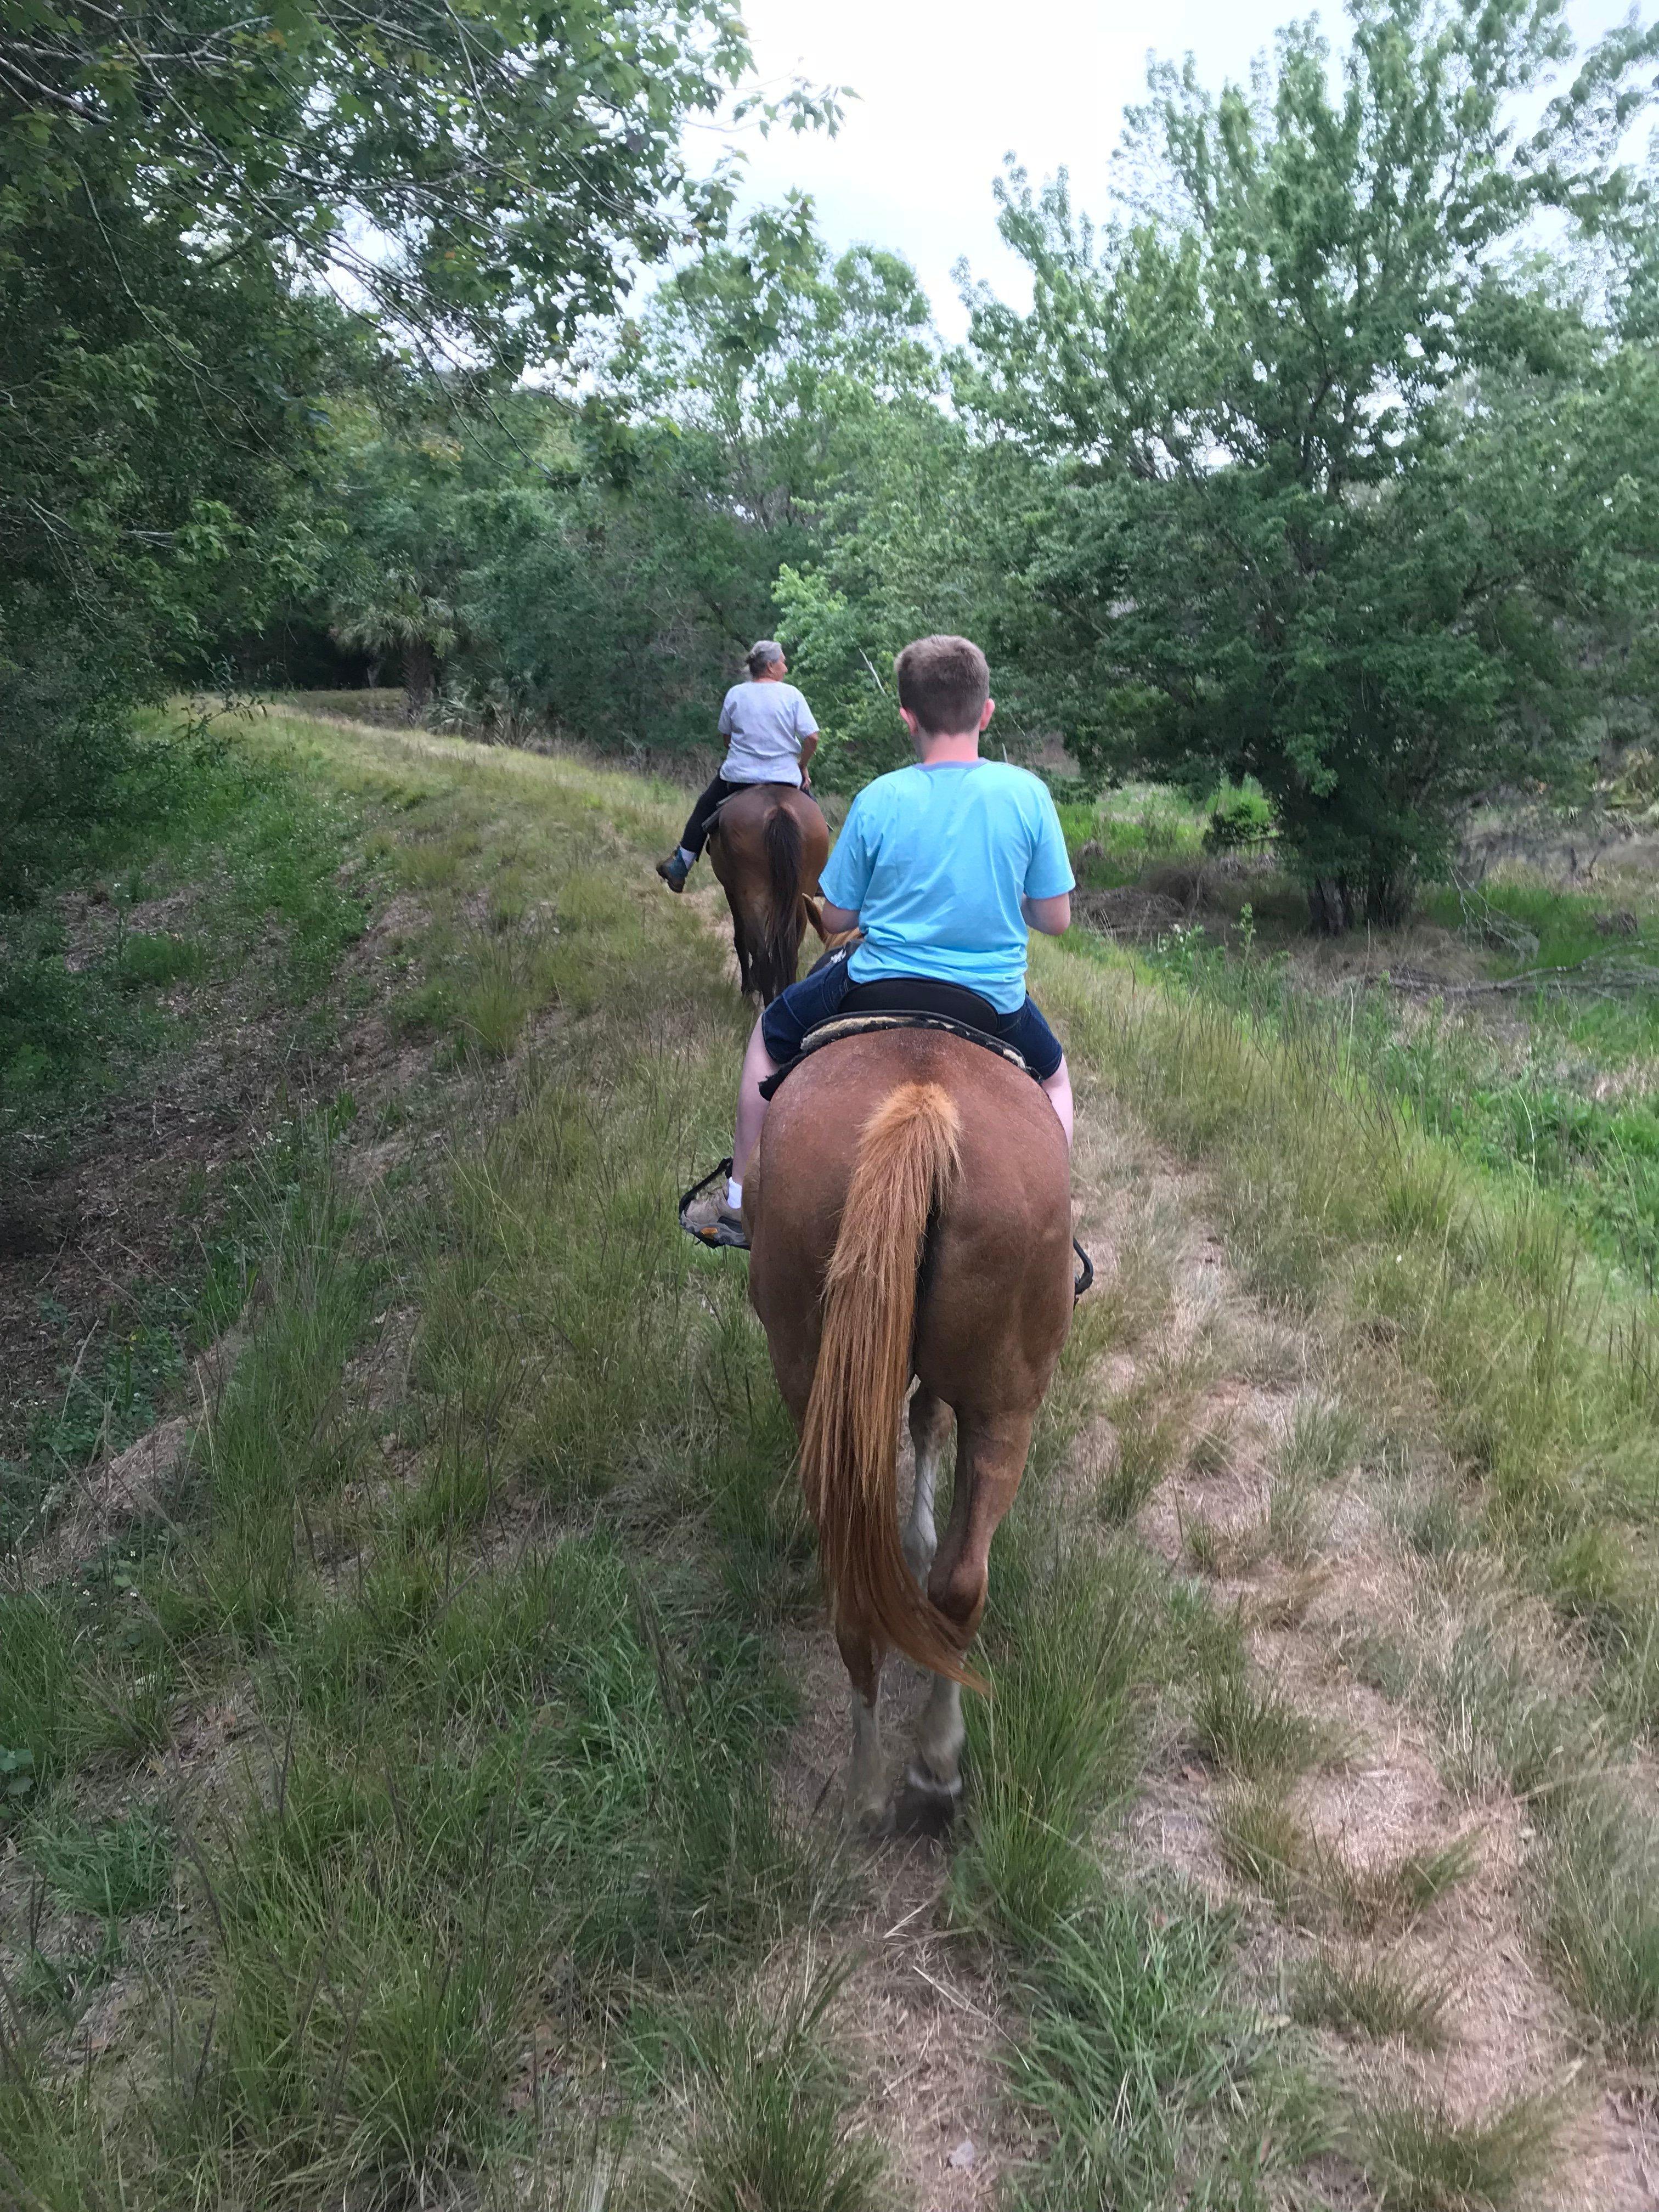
(847, 1025)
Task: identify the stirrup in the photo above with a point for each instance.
(714, 1235)
(1085, 1275)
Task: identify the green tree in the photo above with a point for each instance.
(1342, 495)
(619, 591)
(209, 218)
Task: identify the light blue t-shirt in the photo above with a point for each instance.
(934, 862)
(765, 724)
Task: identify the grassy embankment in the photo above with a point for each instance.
(409, 1754)
(1503, 1389)
(410, 1763)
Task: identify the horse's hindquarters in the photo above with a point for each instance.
(768, 847)
(995, 1298)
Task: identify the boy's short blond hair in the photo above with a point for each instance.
(945, 682)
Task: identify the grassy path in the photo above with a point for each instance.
(422, 1772)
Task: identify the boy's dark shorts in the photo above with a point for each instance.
(818, 998)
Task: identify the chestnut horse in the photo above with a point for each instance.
(908, 1211)
(767, 845)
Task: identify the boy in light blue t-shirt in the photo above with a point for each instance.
(944, 867)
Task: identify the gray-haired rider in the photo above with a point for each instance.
(771, 737)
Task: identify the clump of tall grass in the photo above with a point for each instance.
(1262, 1839)
(111, 1867)
(1363, 1994)
(1151, 1418)
(1419, 2156)
(1600, 1911)
(1250, 1728)
(767, 2109)
(1054, 1742)
(1141, 2064)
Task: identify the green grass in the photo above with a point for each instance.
(1599, 1899)
(1264, 1843)
(1152, 1419)
(1139, 2060)
(1250, 1728)
(1532, 1366)
(1054, 1744)
(487, 1540)
(1145, 2068)
(112, 1867)
(255, 859)
(767, 2108)
(1380, 1892)
(1543, 1381)
(1321, 1439)
(1419, 2157)
(1376, 1996)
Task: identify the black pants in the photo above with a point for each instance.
(696, 829)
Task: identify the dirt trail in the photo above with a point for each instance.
(1381, 1795)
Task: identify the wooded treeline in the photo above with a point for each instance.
(1330, 458)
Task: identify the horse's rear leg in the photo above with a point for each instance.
(991, 1453)
(930, 1429)
(866, 1776)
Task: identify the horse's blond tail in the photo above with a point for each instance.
(907, 1159)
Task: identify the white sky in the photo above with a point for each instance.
(948, 87)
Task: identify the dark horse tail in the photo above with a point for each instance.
(775, 961)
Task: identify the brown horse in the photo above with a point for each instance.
(767, 847)
(909, 1209)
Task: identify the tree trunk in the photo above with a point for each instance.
(1330, 911)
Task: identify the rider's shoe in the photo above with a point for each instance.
(674, 871)
(713, 1222)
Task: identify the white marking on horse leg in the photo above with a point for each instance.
(920, 1537)
(866, 1776)
(940, 1735)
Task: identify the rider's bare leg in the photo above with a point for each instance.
(1059, 1088)
(757, 1065)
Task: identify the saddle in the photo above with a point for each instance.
(906, 1002)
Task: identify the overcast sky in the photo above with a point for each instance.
(948, 87)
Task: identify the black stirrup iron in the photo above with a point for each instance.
(1085, 1274)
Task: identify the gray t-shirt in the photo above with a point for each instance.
(764, 723)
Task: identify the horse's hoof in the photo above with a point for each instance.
(925, 1805)
(871, 1823)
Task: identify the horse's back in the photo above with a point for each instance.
(996, 1292)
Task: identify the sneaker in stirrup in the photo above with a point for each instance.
(674, 871)
(713, 1222)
